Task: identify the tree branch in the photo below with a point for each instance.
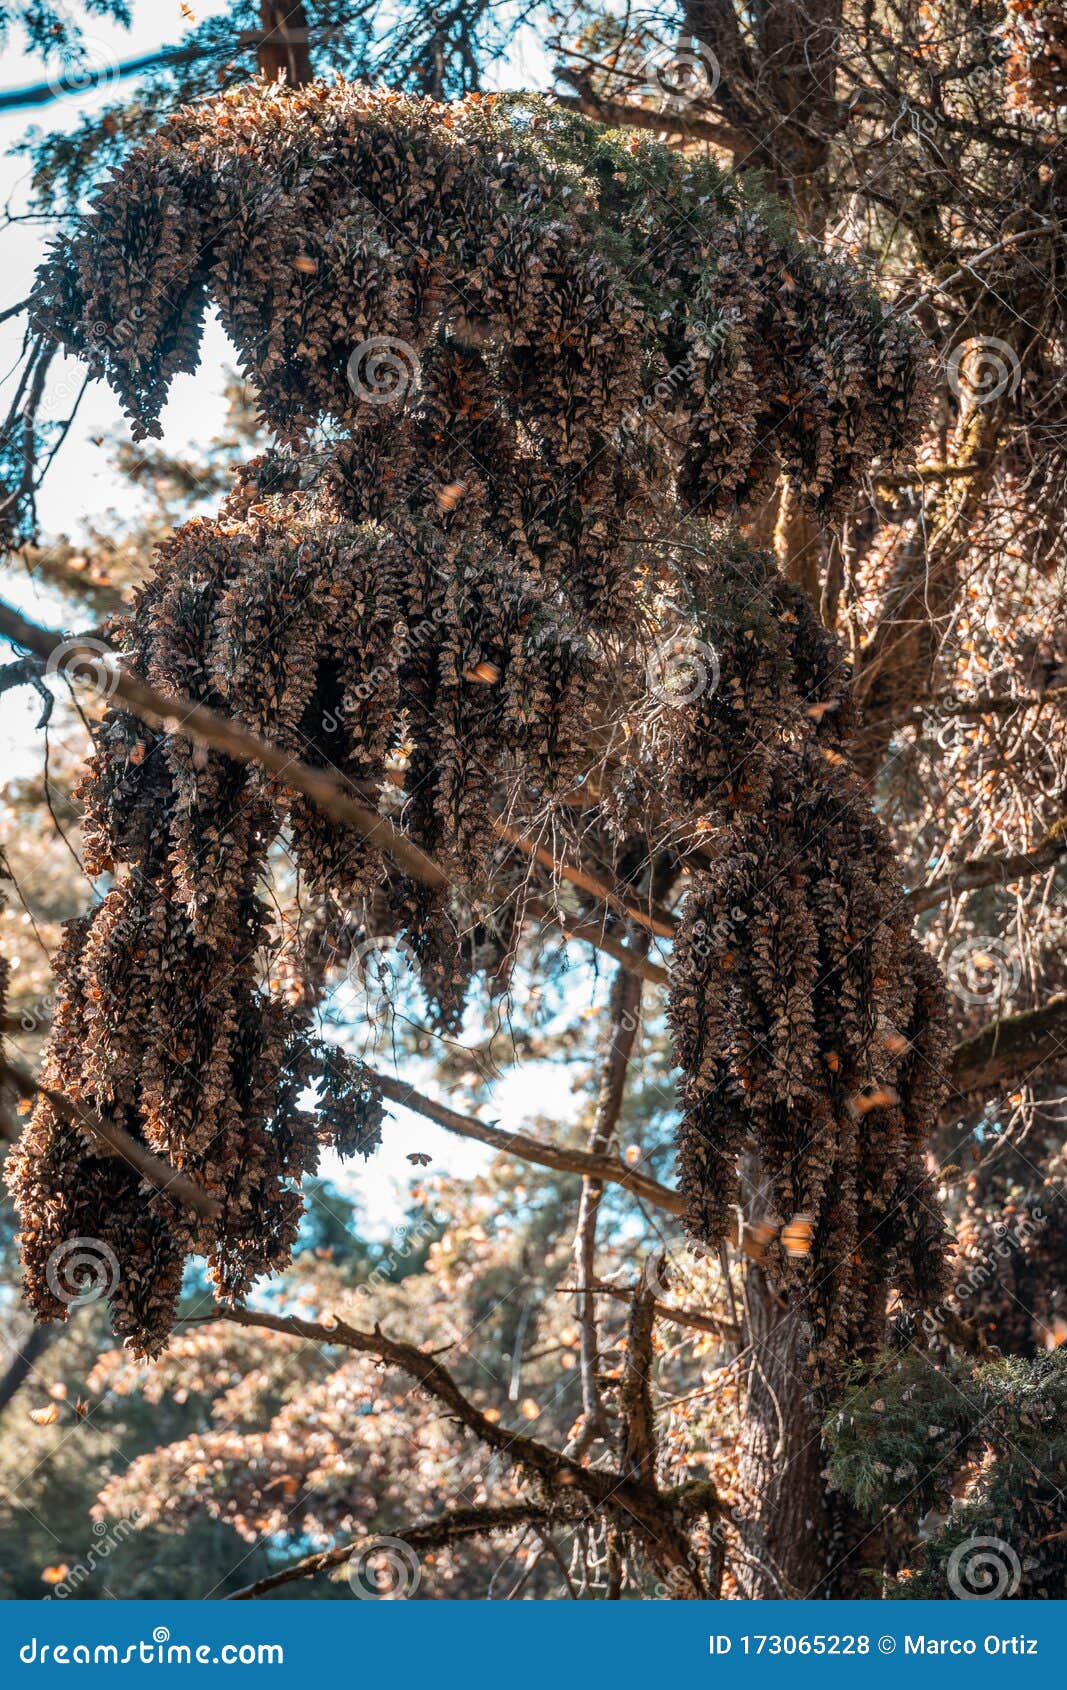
(651, 1512)
(1007, 704)
(1011, 1047)
(620, 114)
(430, 1534)
(113, 1140)
(624, 1020)
(555, 1156)
(718, 1325)
(25, 1357)
(659, 922)
(637, 1447)
(971, 876)
(549, 1466)
(175, 714)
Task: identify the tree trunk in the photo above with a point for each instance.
(284, 53)
(784, 1521)
(32, 1347)
(798, 543)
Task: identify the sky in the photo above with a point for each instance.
(83, 489)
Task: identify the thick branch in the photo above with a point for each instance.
(971, 876)
(637, 1452)
(624, 1020)
(650, 1511)
(529, 1149)
(113, 1140)
(1011, 1048)
(620, 114)
(25, 1358)
(438, 1383)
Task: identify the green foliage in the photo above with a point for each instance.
(894, 1433)
(984, 1446)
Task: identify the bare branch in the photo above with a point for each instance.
(718, 1325)
(562, 1160)
(978, 872)
(660, 923)
(430, 1534)
(620, 114)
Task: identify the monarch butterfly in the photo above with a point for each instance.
(796, 1235)
(1055, 1332)
(448, 497)
(874, 1097)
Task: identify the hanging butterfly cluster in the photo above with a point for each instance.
(497, 348)
(810, 1026)
(492, 296)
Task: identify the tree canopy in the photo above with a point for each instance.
(643, 544)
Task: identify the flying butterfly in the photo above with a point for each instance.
(448, 497)
(874, 1097)
(796, 1236)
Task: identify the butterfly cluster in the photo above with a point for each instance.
(501, 354)
(810, 1026)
